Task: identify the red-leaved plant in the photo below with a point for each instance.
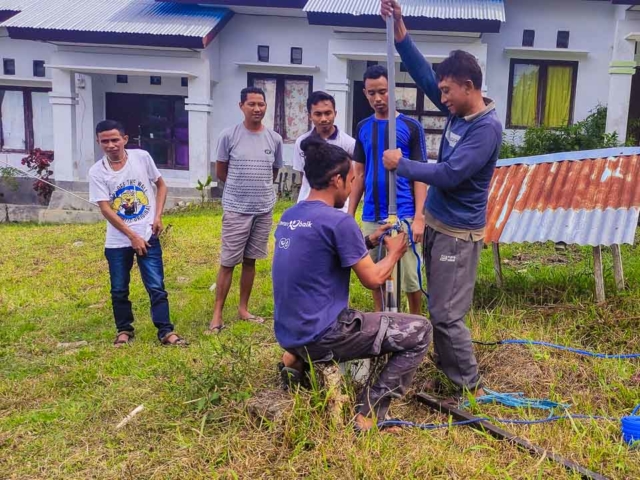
(39, 162)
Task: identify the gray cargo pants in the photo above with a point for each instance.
(452, 266)
(357, 335)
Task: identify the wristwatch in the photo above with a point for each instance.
(369, 243)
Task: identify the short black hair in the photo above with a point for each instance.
(375, 72)
(246, 91)
(108, 125)
(323, 161)
(461, 66)
(317, 97)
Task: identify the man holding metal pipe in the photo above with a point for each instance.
(456, 206)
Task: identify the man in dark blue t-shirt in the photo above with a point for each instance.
(372, 139)
(317, 246)
(456, 206)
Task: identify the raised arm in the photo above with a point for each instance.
(419, 67)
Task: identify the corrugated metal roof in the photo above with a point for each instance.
(586, 198)
(446, 9)
(118, 16)
(15, 5)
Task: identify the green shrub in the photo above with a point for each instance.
(589, 134)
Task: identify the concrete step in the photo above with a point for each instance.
(20, 213)
(40, 214)
(69, 216)
(64, 201)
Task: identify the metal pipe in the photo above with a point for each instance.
(391, 67)
(393, 293)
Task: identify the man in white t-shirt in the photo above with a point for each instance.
(322, 111)
(122, 184)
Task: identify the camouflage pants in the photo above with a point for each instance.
(357, 335)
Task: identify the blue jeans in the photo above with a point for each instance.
(152, 271)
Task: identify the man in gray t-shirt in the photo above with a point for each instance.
(249, 156)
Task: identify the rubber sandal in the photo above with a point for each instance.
(179, 342)
(118, 342)
(252, 319)
(290, 378)
(215, 330)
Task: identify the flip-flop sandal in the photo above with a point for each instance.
(118, 342)
(179, 342)
(290, 378)
(215, 330)
(252, 319)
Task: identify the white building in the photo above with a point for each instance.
(172, 71)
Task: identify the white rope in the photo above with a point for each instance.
(29, 174)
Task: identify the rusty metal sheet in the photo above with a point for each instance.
(586, 198)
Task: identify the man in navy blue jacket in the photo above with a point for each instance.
(456, 206)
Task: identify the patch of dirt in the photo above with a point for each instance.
(555, 260)
(515, 368)
(270, 405)
(521, 260)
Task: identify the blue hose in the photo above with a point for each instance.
(630, 424)
(414, 248)
(631, 427)
(418, 257)
(578, 351)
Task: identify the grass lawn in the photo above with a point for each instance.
(59, 407)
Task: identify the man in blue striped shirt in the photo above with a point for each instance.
(372, 180)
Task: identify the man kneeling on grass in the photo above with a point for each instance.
(121, 183)
(317, 246)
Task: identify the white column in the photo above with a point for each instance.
(86, 125)
(621, 71)
(199, 106)
(63, 100)
(337, 84)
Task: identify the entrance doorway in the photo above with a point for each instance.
(361, 107)
(633, 129)
(158, 124)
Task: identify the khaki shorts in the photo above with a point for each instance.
(408, 264)
(244, 236)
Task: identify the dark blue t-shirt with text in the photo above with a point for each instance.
(316, 246)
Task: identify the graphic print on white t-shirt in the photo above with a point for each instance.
(131, 201)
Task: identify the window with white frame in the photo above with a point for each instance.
(26, 119)
(286, 97)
